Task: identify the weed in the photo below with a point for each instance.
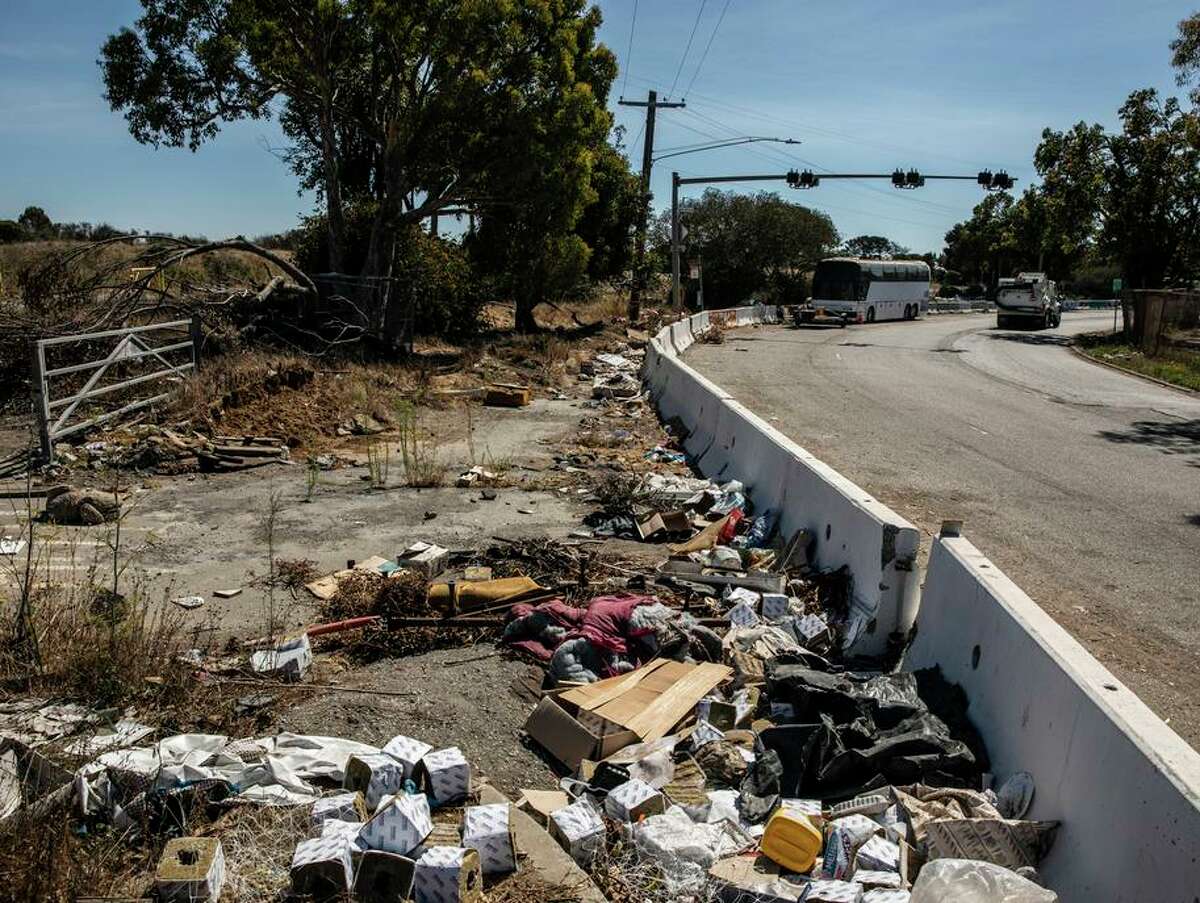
(312, 477)
(379, 463)
(418, 450)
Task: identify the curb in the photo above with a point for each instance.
(1191, 393)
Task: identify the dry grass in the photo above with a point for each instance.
(258, 842)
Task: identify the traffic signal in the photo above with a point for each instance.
(898, 178)
(808, 180)
(985, 178)
(914, 179)
(793, 178)
(1002, 181)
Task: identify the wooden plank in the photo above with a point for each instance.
(665, 712)
(592, 696)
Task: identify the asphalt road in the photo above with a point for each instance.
(1081, 482)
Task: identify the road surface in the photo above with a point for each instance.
(1081, 482)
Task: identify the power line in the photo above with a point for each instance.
(629, 52)
(707, 47)
(688, 48)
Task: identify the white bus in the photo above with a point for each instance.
(864, 291)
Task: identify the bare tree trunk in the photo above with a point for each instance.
(335, 218)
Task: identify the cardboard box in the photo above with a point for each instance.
(579, 830)
(425, 557)
(488, 831)
(374, 775)
(191, 869)
(448, 875)
(398, 827)
(595, 720)
(322, 868)
(834, 892)
(541, 804)
(407, 751)
(775, 606)
(633, 800)
(506, 396)
(752, 879)
(445, 775)
(348, 807)
(383, 877)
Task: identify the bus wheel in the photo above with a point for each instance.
(870, 315)
(908, 315)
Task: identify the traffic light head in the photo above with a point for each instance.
(985, 178)
(1002, 181)
(898, 178)
(913, 179)
(793, 179)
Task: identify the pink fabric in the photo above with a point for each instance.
(606, 622)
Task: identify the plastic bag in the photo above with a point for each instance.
(971, 881)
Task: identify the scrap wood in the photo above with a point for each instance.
(705, 539)
(651, 700)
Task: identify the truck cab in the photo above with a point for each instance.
(1029, 300)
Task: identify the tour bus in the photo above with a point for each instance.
(864, 291)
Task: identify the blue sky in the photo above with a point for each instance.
(942, 86)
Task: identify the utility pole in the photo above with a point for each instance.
(652, 104)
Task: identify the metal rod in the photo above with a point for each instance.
(104, 418)
(713, 179)
(134, 355)
(115, 387)
(109, 333)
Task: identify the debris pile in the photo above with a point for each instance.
(161, 450)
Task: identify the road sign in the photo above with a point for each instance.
(1117, 284)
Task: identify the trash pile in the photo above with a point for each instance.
(615, 375)
(805, 784)
(161, 450)
(391, 823)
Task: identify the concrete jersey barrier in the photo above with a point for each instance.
(727, 442)
(1124, 785)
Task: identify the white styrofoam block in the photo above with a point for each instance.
(400, 826)
(447, 774)
(579, 830)
(869, 878)
(375, 775)
(447, 875)
(407, 751)
(810, 808)
(486, 829)
(627, 801)
(704, 733)
(810, 626)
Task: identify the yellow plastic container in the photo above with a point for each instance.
(791, 840)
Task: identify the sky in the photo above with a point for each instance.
(943, 86)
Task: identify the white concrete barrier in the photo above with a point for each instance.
(729, 442)
(1125, 786)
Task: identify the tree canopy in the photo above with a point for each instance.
(873, 246)
(408, 108)
(751, 244)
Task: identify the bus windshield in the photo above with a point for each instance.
(836, 280)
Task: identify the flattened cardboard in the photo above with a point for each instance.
(571, 741)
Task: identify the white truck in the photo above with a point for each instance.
(1029, 300)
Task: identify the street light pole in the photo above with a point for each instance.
(676, 241)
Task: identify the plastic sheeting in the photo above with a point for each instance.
(968, 881)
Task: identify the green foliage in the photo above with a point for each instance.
(1133, 193)
(606, 225)
(11, 231)
(750, 244)
(411, 106)
(873, 246)
(447, 292)
(1185, 55)
(36, 223)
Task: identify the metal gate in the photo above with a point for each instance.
(133, 344)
